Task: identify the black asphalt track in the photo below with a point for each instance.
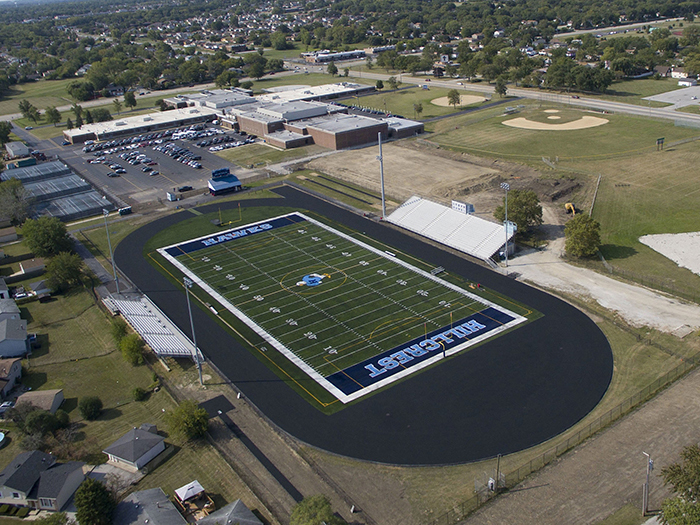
(511, 393)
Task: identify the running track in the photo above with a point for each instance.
(509, 394)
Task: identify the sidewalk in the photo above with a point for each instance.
(605, 473)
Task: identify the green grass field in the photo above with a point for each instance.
(263, 155)
(42, 94)
(401, 102)
(642, 190)
(312, 290)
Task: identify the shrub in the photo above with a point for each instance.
(139, 394)
(90, 407)
(118, 329)
(187, 421)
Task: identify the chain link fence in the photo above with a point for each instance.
(462, 510)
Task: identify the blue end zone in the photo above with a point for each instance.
(231, 235)
(416, 351)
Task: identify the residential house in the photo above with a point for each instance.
(32, 266)
(10, 373)
(236, 512)
(8, 234)
(50, 400)
(678, 72)
(664, 71)
(8, 309)
(688, 82)
(40, 287)
(34, 479)
(136, 448)
(13, 338)
(148, 506)
(4, 290)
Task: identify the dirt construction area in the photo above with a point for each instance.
(420, 168)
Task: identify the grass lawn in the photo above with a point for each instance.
(643, 191)
(627, 515)
(315, 78)
(42, 94)
(339, 190)
(633, 91)
(401, 102)
(257, 155)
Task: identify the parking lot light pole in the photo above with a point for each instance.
(188, 285)
(105, 213)
(645, 493)
(505, 186)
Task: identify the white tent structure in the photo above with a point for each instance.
(192, 489)
(467, 233)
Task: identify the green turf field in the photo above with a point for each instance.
(331, 304)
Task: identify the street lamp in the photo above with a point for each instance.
(505, 186)
(188, 285)
(105, 213)
(645, 493)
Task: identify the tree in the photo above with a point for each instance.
(393, 82)
(187, 421)
(94, 502)
(64, 271)
(379, 84)
(131, 347)
(79, 121)
(346, 72)
(5, 130)
(77, 110)
(90, 407)
(27, 109)
(47, 236)
(332, 69)
(314, 510)
(582, 236)
(15, 200)
(100, 115)
(501, 87)
(256, 70)
(684, 481)
(160, 104)
(118, 329)
(454, 98)
(53, 116)
(417, 109)
(369, 62)
(523, 209)
(69, 124)
(88, 117)
(130, 99)
(117, 105)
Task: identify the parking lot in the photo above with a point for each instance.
(145, 167)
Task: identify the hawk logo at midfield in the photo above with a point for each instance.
(313, 279)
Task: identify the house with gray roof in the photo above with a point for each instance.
(8, 309)
(147, 506)
(13, 338)
(34, 479)
(10, 373)
(136, 448)
(236, 512)
(4, 290)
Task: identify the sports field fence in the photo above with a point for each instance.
(657, 283)
(512, 478)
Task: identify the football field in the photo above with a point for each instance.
(354, 318)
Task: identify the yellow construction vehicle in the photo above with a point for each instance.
(570, 208)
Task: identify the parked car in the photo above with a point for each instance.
(184, 188)
(6, 405)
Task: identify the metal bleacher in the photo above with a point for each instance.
(159, 333)
(467, 233)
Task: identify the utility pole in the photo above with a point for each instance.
(645, 493)
(188, 285)
(105, 213)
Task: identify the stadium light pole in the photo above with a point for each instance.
(188, 285)
(505, 186)
(380, 158)
(105, 213)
